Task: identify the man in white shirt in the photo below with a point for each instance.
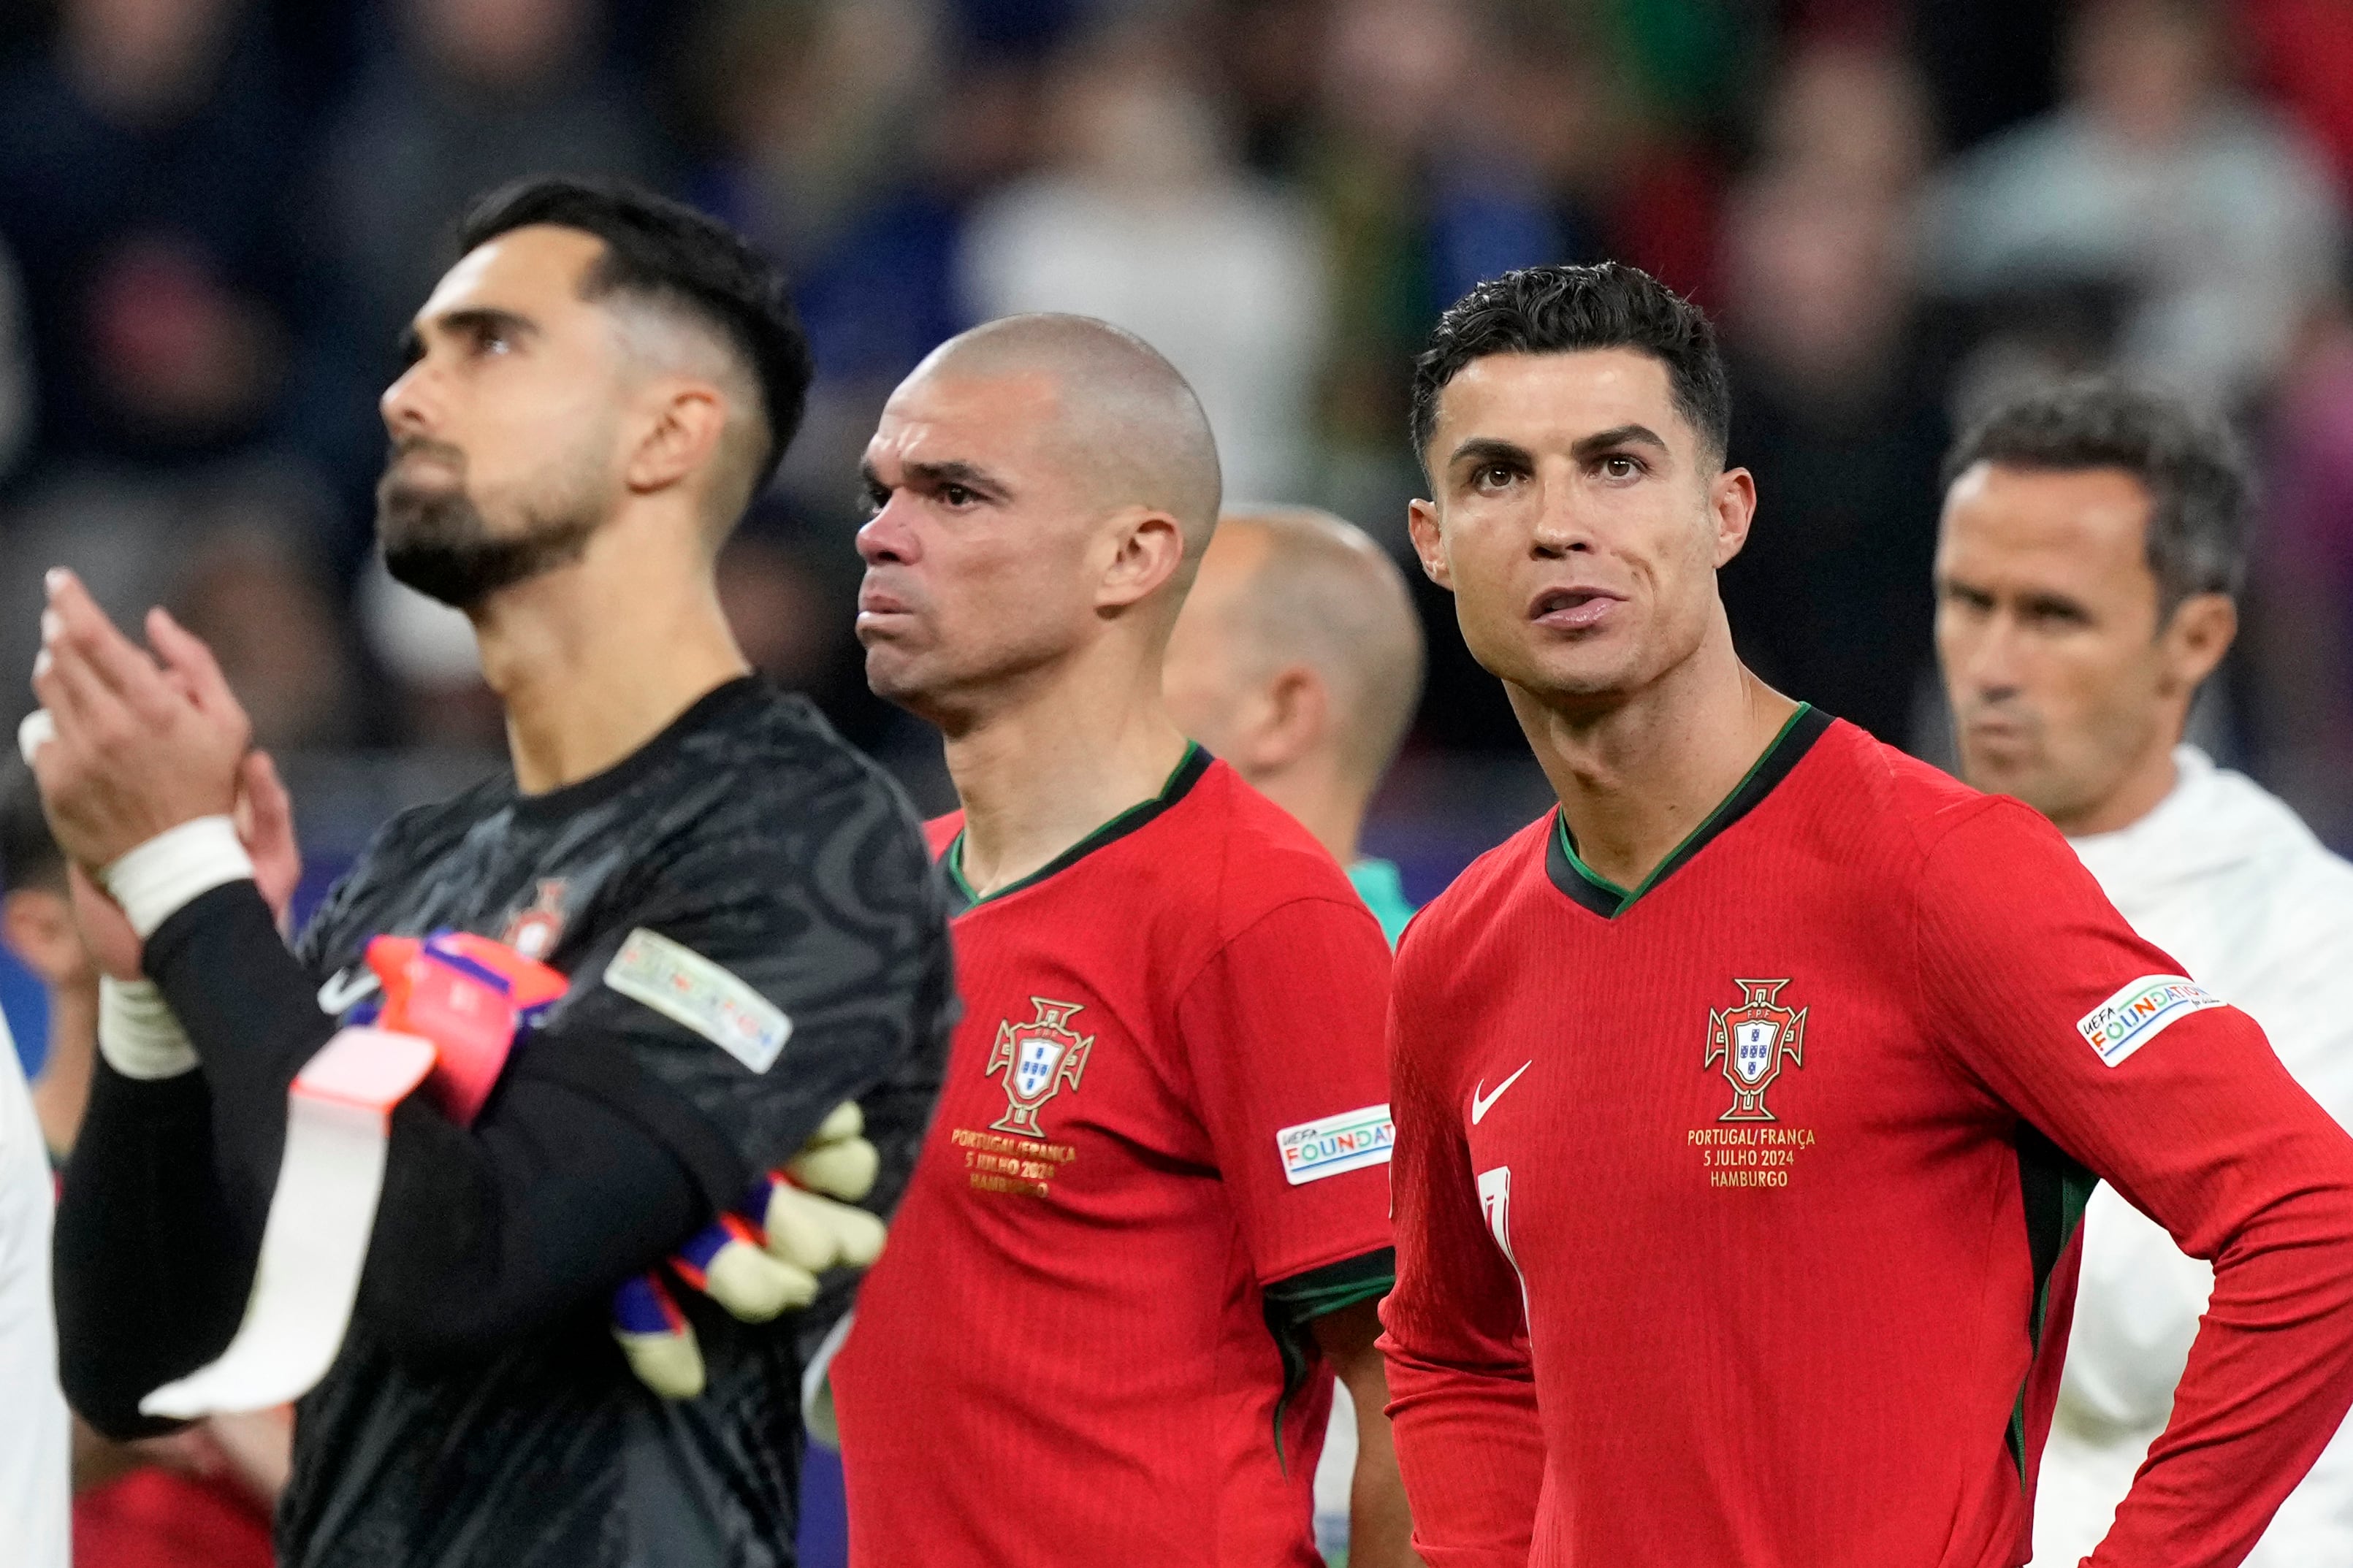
(35, 1458)
(2086, 565)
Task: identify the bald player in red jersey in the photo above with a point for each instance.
(1151, 1219)
(1746, 1103)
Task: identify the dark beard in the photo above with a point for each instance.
(435, 542)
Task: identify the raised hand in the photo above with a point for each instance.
(134, 747)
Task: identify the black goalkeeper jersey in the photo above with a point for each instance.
(496, 1425)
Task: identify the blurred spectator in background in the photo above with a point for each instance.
(15, 370)
(2090, 553)
(235, 546)
(149, 155)
(2214, 221)
(777, 607)
(250, 590)
(1839, 396)
(843, 146)
(471, 93)
(2303, 637)
(1144, 218)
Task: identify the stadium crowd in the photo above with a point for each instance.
(217, 214)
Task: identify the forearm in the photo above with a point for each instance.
(250, 1010)
(2269, 1381)
(152, 1270)
(486, 1234)
(1380, 1524)
(482, 1234)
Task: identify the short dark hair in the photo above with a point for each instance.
(1563, 310)
(663, 250)
(29, 856)
(2185, 458)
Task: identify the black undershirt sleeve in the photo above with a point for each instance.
(150, 1277)
(579, 1172)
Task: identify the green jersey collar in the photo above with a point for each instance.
(1178, 784)
(1605, 897)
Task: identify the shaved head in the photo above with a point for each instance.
(1123, 419)
(1282, 587)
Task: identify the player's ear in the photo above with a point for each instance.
(685, 421)
(1421, 523)
(1732, 506)
(2197, 636)
(1298, 707)
(1148, 548)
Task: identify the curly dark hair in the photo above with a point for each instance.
(1561, 310)
(2186, 458)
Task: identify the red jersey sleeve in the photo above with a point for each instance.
(2053, 1004)
(1283, 1031)
(1463, 1400)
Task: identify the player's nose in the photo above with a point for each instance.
(406, 405)
(885, 536)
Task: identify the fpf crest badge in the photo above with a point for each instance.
(1752, 1039)
(1037, 1059)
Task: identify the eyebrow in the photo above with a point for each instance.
(473, 318)
(1486, 449)
(1490, 450)
(1600, 441)
(952, 471)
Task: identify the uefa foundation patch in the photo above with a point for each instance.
(1348, 1141)
(2140, 1012)
(687, 988)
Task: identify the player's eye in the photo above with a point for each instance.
(872, 497)
(1492, 477)
(1619, 466)
(957, 495)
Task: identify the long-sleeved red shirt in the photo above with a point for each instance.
(1735, 1215)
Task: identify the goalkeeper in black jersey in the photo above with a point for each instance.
(740, 908)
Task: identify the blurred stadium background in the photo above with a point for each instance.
(215, 215)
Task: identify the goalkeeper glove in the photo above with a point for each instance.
(761, 1259)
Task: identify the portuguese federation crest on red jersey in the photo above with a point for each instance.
(1037, 1059)
(1752, 1039)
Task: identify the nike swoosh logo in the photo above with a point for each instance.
(1480, 1104)
(344, 988)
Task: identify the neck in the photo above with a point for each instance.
(2143, 790)
(1056, 755)
(1636, 777)
(1328, 807)
(593, 659)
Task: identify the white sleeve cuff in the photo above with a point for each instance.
(137, 1034)
(153, 881)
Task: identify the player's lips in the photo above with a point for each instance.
(876, 604)
(1573, 609)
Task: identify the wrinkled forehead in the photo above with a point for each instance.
(1007, 424)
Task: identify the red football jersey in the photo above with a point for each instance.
(1735, 1215)
(1165, 1125)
